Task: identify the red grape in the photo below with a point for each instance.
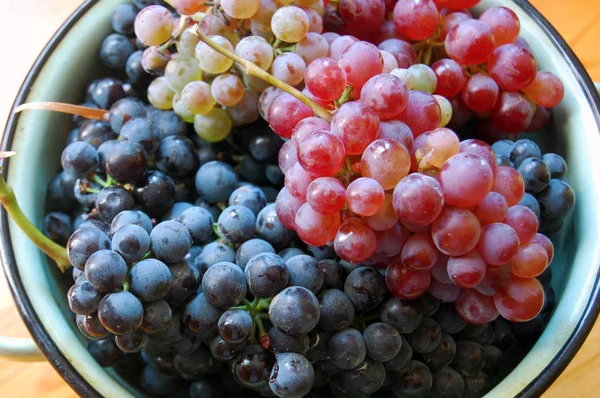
(445, 292)
(470, 42)
(288, 156)
(285, 112)
(546, 244)
(419, 252)
(361, 61)
(401, 50)
(385, 161)
(513, 113)
(357, 125)
(391, 241)
(314, 228)
(504, 23)
(404, 283)
(355, 241)
(499, 244)
(481, 149)
(540, 119)
(467, 270)
(460, 4)
(385, 93)
(368, 14)
(385, 218)
(531, 260)
(439, 271)
(422, 112)
(325, 79)
(450, 21)
(418, 199)
(188, 7)
(495, 279)
(433, 148)
(365, 196)
(325, 104)
(321, 154)
(493, 208)
(481, 93)
(416, 19)
(546, 89)
(266, 99)
(326, 195)
(521, 300)
(509, 183)
(461, 114)
(297, 181)
(475, 308)
(466, 180)
(524, 221)
(339, 45)
(451, 77)
(398, 131)
(456, 231)
(287, 206)
(308, 125)
(512, 67)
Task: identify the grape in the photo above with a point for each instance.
(285, 112)
(513, 113)
(397, 131)
(155, 193)
(294, 310)
(287, 206)
(435, 147)
(355, 241)
(382, 341)
(447, 383)
(201, 317)
(492, 209)
(211, 61)
(524, 221)
(366, 288)
(270, 228)
(467, 270)
(132, 242)
(386, 161)
(556, 164)
(105, 352)
(320, 153)
(456, 231)
(401, 360)
(498, 244)
(312, 47)
(120, 313)
(469, 359)
(422, 113)
(265, 12)
(150, 280)
(504, 23)
(414, 380)
(83, 297)
(416, 19)
(235, 326)
(289, 68)
(157, 316)
(512, 67)
(315, 22)
(442, 355)
(80, 159)
(418, 199)
(403, 52)
(266, 99)
(357, 125)
(246, 110)
(423, 78)
(236, 224)
(290, 24)
(546, 89)
(297, 181)
(153, 25)
(90, 327)
(520, 300)
(361, 61)
(115, 50)
(470, 42)
(531, 202)
(405, 316)
(531, 260)
(339, 45)
(367, 378)
(510, 184)
(326, 195)
(285, 343)
(545, 243)
(451, 77)
(123, 18)
(426, 337)
(389, 62)
(465, 192)
(367, 14)
(213, 126)
(419, 253)
(256, 50)
(292, 376)
(404, 283)
(314, 228)
(390, 241)
(160, 94)
(181, 71)
(445, 292)
(365, 196)
(449, 21)
(347, 349)
(240, 9)
(481, 93)
(325, 79)
(385, 93)
(303, 271)
(385, 218)
(337, 311)
(226, 90)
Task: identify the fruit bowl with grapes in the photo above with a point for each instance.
(305, 198)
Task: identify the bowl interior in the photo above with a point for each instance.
(39, 138)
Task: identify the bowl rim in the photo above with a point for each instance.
(78, 383)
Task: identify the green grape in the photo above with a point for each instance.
(210, 60)
(180, 71)
(290, 24)
(446, 108)
(256, 50)
(154, 25)
(265, 12)
(289, 68)
(160, 94)
(261, 30)
(211, 25)
(213, 126)
(180, 109)
(186, 46)
(227, 89)
(405, 75)
(246, 110)
(424, 78)
(240, 9)
(197, 97)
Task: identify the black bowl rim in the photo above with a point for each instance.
(64, 367)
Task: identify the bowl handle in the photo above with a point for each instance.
(20, 349)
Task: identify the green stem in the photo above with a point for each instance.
(347, 95)
(252, 69)
(259, 323)
(221, 205)
(53, 250)
(92, 190)
(253, 333)
(427, 56)
(100, 181)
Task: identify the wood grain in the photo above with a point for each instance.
(26, 26)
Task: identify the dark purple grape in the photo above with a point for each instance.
(556, 164)
(105, 352)
(318, 343)
(235, 326)
(120, 313)
(150, 280)
(476, 386)
(469, 358)
(59, 196)
(493, 359)
(366, 288)
(366, 378)
(213, 253)
(103, 150)
(347, 349)
(58, 227)
(447, 383)
(199, 223)
(83, 298)
(132, 242)
(198, 363)
(130, 217)
(282, 342)
(265, 147)
(266, 274)
(333, 274)
(91, 327)
(167, 122)
(96, 133)
(426, 337)
(252, 367)
(502, 147)
(294, 310)
(186, 280)
(189, 343)
(157, 383)
(503, 334)
(337, 311)
(480, 334)
(249, 196)
(383, 342)
(85, 192)
(557, 200)
(157, 316)
(112, 200)
(401, 360)
(216, 181)
(106, 270)
(224, 285)
(535, 173)
(83, 243)
(176, 156)
(429, 304)
(135, 71)
(201, 317)
(523, 149)
(413, 381)
(236, 224)
(131, 343)
(79, 159)
(290, 252)
(251, 248)
(115, 49)
(170, 241)
(449, 320)
(123, 17)
(223, 350)
(304, 272)
(127, 162)
(292, 375)
(528, 200)
(107, 91)
(442, 355)
(206, 389)
(269, 228)
(176, 211)
(404, 315)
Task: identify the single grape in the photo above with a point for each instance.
(235, 326)
(285, 113)
(154, 25)
(209, 60)
(365, 196)
(347, 349)
(403, 52)
(512, 67)
(256, 50)
(337, 311)
(326, 195)
(361, 61)
(492, 209)
(556, 164)
(321, 153)
(357, 125)
(312, 47)
(240, 9)
(157, 316)
(290, 68)
(367, 378)
(325, 79)
(292, 375)
(557, 200)
(433, 148)
(314, 228)
(531, 260)
(404, 283)
(150, 280)
(389, 61)
(294, 310)
(415, 19)
(471, 42)
(451, 77)
(224, 181)
(418, 199)
(201, 317)
(385, 93)
(481, 93)
(456, 231)
(414, 380)
(390, 241)
(355, 241)
(510, 184)
(422, 113)
(382, 341)
(120, 313)
(290, 24)
(447, 383)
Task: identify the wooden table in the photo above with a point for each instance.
(26, 26)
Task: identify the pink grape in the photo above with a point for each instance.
(389, 62)
(540, 119)
(308, 125)
(466, 180)
(398, 131)
(481, 93)
(531, 260)
(321, 153)
(286, 207)
(386, 94)
(475, 308)
(521, 300)
(289, 68)
(285, 112)
(357, 125)
(470, 42)
(419, 252)
(227, 89)
(513, 113)
(365, 196)
(450, 21)
(325, 79)
(266, 99)
(315, 22)
(467, 270)
(403, 51)
(481, 149)
(210, 25)
(288, 156)
(331, 37)
(426, 229)
(504, 23)
(404, 283)
(326, 195)
(461, 4)
(434, 147)
(512, 67)
(418, 199)
(246, 110)
(325, 104)
(355, 241)
(368, 14)
(256, 50)
(451, 77)
(493, 208)
(422, 113)
(316, 229)
(385, 218)
(456, 231)
(445, 292)
(188, 7)
(361, 61)
(416, 19)
(339, 45)
(509, 183)
(313, 46)
(391, 241)
(297, 181)
(439, 271)
(154, 25)
(387, 30)
(385, 161)
(496, 278)
(499, 244)
(546, 244)
(546, 89)
(524, 221)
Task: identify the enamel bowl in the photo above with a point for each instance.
(70, 60)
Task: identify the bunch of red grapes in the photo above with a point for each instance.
(386, 184)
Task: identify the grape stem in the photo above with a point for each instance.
(53, 250)
(252, 69)
(84, 111)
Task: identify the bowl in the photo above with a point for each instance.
(70, 60)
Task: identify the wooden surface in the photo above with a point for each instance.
(26, 26)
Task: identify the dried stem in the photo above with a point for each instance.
(84, 111)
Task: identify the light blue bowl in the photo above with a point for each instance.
(70, 61)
